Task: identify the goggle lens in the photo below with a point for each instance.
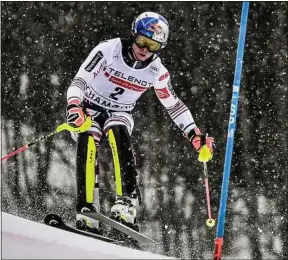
(151, 45)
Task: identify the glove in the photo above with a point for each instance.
(198, 140)
(75, 115)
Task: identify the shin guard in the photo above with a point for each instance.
(85, 170)
(123, 160)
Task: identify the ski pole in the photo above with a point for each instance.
(231, 132)
(204, 156)
(84, 127)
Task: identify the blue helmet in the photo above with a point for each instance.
(153, 26)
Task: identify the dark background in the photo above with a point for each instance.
(42, 46)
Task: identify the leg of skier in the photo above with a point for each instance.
(86, 167)
(124, 209)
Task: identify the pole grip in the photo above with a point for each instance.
(204, 154)
(82, 128)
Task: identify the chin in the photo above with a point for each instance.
(141, 58)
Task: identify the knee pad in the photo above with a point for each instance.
(85, 169)
(123, 160)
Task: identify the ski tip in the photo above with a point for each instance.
(53, 220)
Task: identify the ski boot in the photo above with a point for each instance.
(86, 223)
(124, 211)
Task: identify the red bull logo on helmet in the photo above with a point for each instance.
(158, 32)
(156, 28)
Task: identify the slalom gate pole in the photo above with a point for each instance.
(86, 125)
(231, 132)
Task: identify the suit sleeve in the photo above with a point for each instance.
(87, 72)
(176, 109)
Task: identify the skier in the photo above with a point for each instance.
(106, 87)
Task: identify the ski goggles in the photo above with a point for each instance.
(151, 45)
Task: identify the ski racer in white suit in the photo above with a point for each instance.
(106, 87)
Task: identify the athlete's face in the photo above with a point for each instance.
(141, 54)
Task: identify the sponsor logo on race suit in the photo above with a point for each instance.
(101, 67)
(164, 76)
(166, 92)
(162, 93)
(153, 70)
(95, 60)
(127, 81)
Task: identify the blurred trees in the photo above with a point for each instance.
(43, 45)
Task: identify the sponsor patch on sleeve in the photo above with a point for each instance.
(162, 93)
(98, 56)
(164, 76)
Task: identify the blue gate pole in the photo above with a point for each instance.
(231, 132)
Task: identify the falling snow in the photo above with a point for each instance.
(44, 43)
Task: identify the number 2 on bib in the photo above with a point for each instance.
(119, 91)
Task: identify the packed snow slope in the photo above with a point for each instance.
(26, 239)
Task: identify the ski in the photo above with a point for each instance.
(56, 221)
(120, 227)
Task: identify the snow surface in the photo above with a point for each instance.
(26, 239)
